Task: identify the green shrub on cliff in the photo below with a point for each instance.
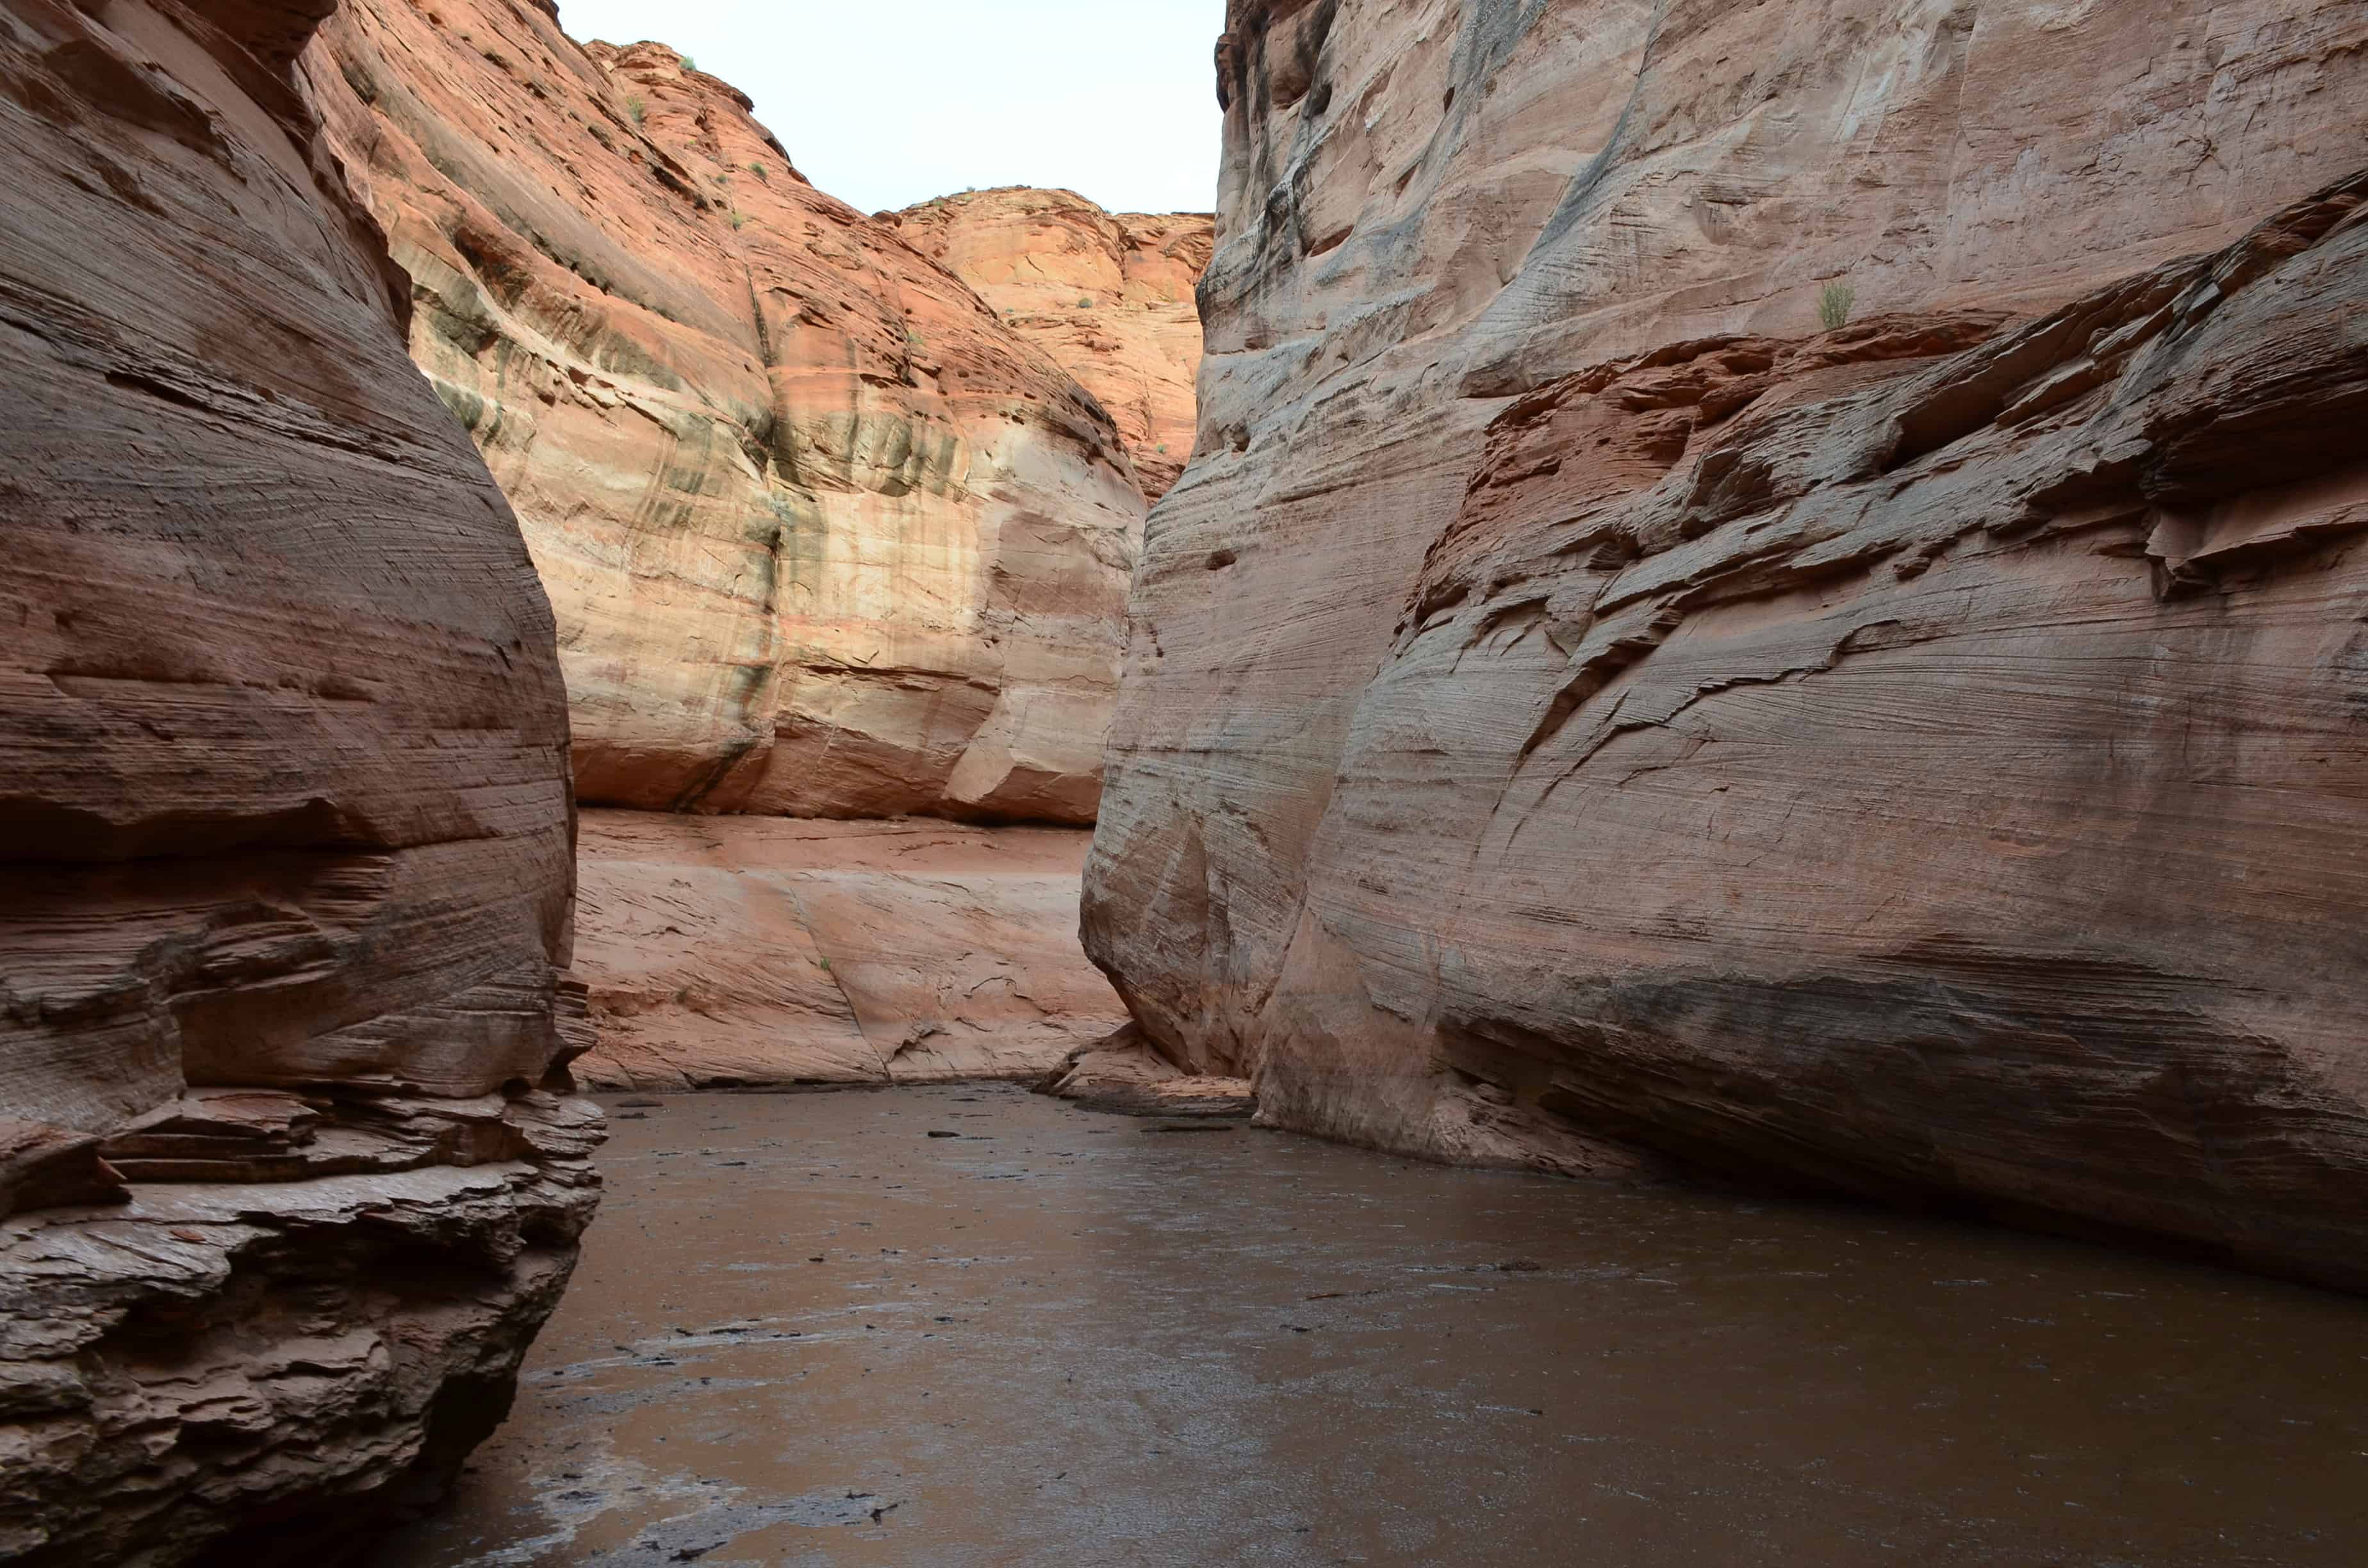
(638, 109)
(1834, 305)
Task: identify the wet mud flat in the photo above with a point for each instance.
(969, 1325)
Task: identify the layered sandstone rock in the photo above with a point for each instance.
(1108, 295)
(256, 1364)
(284, 829)
(743, 952)
(1125, 1074)
(824, 537)
(1920, 759)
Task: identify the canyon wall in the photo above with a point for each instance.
(284, 831)
(1579, 713)
(824, 537)
(750, 953)
(827, 535)
(1108, 295)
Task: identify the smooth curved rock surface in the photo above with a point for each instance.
(285, 828)
(741, 952)
(1108, 295)
(824, 536)
(1920, 759)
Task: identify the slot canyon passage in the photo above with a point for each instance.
(1628, 824)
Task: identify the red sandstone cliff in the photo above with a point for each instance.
(285, 830)
(1108, 295)
(1577, 712)
(824, 535)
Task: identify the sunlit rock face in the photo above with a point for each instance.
(1575, 703)
(286, 836)
(824, 536)
(1108, 295)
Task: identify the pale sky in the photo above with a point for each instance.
(885, 103)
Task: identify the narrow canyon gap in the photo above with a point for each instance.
(835, 512)
(514, 589)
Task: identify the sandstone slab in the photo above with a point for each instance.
(1125, 1074)
(744, 953)
(259, 1369)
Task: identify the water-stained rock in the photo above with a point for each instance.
(825, 536)
(1915, 758)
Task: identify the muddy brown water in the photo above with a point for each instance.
(805, 1332)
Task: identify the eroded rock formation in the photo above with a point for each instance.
(1108, 295)
(1572, 698)
(1122, 1073)
(824, 536)
(740, 952)
(285, 830)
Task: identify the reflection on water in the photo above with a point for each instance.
(805, 1332)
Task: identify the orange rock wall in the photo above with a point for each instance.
(753, 953)
(1575, 706)
(824, 536)
(1108, 295)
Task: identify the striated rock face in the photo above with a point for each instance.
(1108, 295)
(1123, 1075)
(824, 537)
(284, 829)
(743, 952)
(285, 1335)
(1572, 697)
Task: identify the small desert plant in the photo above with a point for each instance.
(738, 217)
(688, 63)
(638, 109)
(1085, 305)
(1834, 305)
(761, 172)
(1162, 446)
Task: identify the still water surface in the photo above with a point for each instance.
(808, 1333)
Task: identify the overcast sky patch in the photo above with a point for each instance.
(885, 103)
